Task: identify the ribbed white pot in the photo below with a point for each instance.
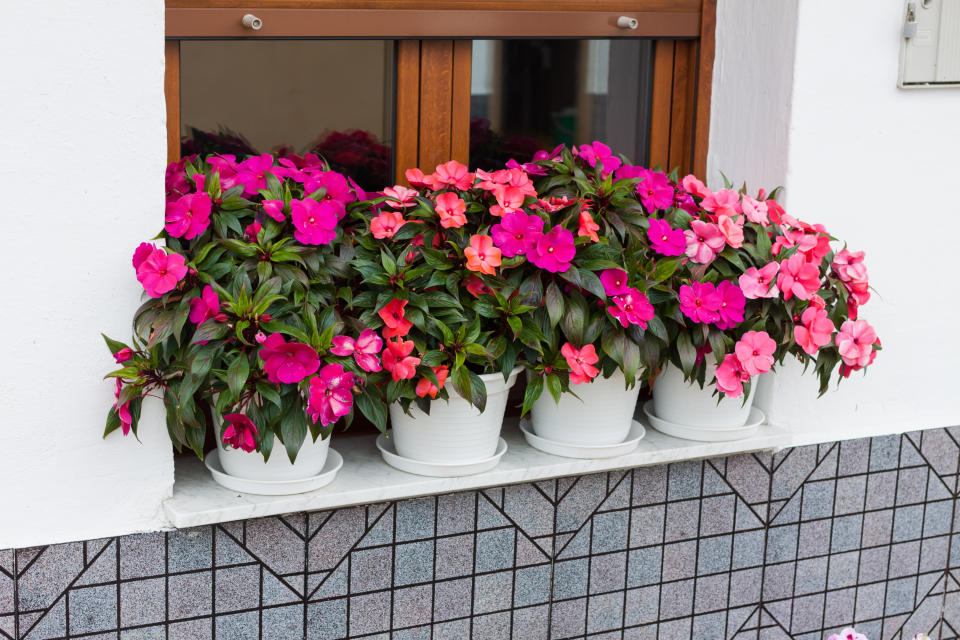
(685, 403)
(250, 465)
(603, 413)
(455, 431)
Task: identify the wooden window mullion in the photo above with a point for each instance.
(171, 93)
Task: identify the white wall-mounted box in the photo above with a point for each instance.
(930, 49)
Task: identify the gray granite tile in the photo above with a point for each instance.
(531, 623)
(529, 552)
(190, 595)
(642, 606)
(456, 512)
(142, 602)
(709, 626)
(452, 599)
(275, 544)
(190, 549)
(811, 576)
(937, 518)
(814, 538)
(646, 525)
(142, 555)
(807, 613)
(413, 606)
(41, 625)
(492, 591)
(933, 553)
(238, 626)
(745, 586)
(413, 563)
(327, 620)
(529, 509)
(454, 556)
(778, 581)
(610, 531)
(380, 530)
(198, 629)
(154, 632)
(680, 560)
(711, 593)
(649, 485)
(227, 550)
(580, 501)
(371, 569)
(843, 569)
(782, 543)
(850, 495)
(605, 612)
(881, 490)
(900, 596)
(873, 564)
(494, 626)
(283, 623)
(568, 618)
(838, 609)
(907, 523)
(369, 613)
(329, 584)
(643, 566)
(532, 585)
(411, 633)
(45, 572)
(877, 528)
(748, 477)
(337, 534)
(794, 466)
(415, 519)
(684, 480)
(676, 599)
(675, 628)
(854, 457)
(236, 588)
(6, 594)
(818, 499)
(911, 485)
(869, 601)
(453, 630)
(495, 549)
(884, 452)
(93, 609)
(904, 559)
(683, 520)
(846, 533)
(717, 515)
(608, 572)
(748, 549)
(570, 578)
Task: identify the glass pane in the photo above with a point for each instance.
(527, 95)
(330, 97)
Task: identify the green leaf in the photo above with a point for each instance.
(210, 330)
(293, 429)
(374, 410)
(656, 327)
(665, 269)
(554, 301)
(534, 390)
(268, 392)
(554, 386)
(113, 345)
(237, 374)
(687, 353)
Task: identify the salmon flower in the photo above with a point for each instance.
(694, 185)
(386, 224)
(392, 315)
(398, 361)
(798, 277)
(509, 199)
(581, 362)
(400, 197)
(452, 174)
(481, 255)
(725, 202)
(451, 209)
(588, 227)
(425, 386)
(416, 178)
(760, 283)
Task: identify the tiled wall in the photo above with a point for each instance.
(792, 545)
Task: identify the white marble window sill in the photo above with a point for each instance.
(366, 478)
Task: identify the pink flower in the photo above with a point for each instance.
(666, 240)
(252, 230)
(732, 231)
(588, 227)
(123, 411)
(475, 286)
(554, 250)
(189, 216)
(240, 433)
(122, 355)
(226, 166)
(759, 283)
(365, 349)
(260, 337)
(693, 185)
(416, 178)
(204, 307)
(252, 173)
(337, 192)
(631, 307)
(798, 277)
(288, 363)
(392, 315)
(725, 202)
(847, 634)
(700, 302)
(655, 190)
(330, 394)
(598, 152)
(732, 304)
(529, 167)
(855, 342)
(755, 352)
(581, 362)
(755, 210)
(400, 197)
(425, 386)
(849, 266)
(815, 331)
(398, 361)
(451, 209)
(614, 282)
(141, 253)
(731, 376)
(274, 209)
(314, 222)
(509, 199)
(386, 224)
(516, 233)
(704, 241)
(453, 174)
(160, 272)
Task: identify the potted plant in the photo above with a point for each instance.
(241, 331)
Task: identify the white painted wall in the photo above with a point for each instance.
(878, 166)
(82, 126)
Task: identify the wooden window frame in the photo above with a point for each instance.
(434, 59)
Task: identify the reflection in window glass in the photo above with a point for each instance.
(330, 97)
(535, 94)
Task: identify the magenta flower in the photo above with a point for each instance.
(554, 250)
(732, 303)
(240, 433)
(274, 209)
(204, 307)
(815, 331)
(160, 272)
(631, 307)
(855, 342)
(365, 349)
(798, 277)
(700, 302)
(226, 165)
(287, 362)
(189, 216)
(666, 240)
(122, 355)
(330, 394)
(731, 376)
(517, 233)
(615, 282)
(704, 241)
(760, 283)
(314, 222)
(123, 410)
(141, 253)
(655, 191)
(598, 152)
(252, 173)
(338, 193)
(755, 352)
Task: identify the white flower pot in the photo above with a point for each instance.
(684, 403)
(455, 431)
(603, 414)
(250, 465)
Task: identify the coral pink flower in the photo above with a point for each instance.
(481, 255)
(732, 231)
(855, 342)
(400, 197)
(731, 376)
(588, 227)
(416, 178)
(598, 152)
(122, 355)
(365, 349)
(285, 362)
(141, 253)
(386, 224)
(798, 277)
(252, 173)
(314, 222)
(666, 240)
(123, 410)
(159, 272)
(704, 241)
(330, 394)
(815, 331)
(555, 203)
(451, 209)
(755, 210)
(475, 286)
(859, 291)
(849, 265)
(398, 361)
(453, 174)
(759, 283)
(725, 202)
(274, 209)
(631, 307)
(554, 250)
(732, 304)
(509, 199)
(517, 233)
(392, 315)
(581, 362)
(189, 216)
(614, 282)
(775, 211)
(426, 388)
(755, 352)
(240, 432)
(693, 185)
(205, 306)
(700, 302)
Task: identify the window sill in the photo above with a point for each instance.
(365, 478)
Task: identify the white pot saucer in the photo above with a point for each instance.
(437, 469)
(706, 434)
(274, 487)
(568, 450)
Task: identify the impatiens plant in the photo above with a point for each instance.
(850, 633)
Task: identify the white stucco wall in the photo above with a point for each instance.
(876, 165)
(82, 126)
